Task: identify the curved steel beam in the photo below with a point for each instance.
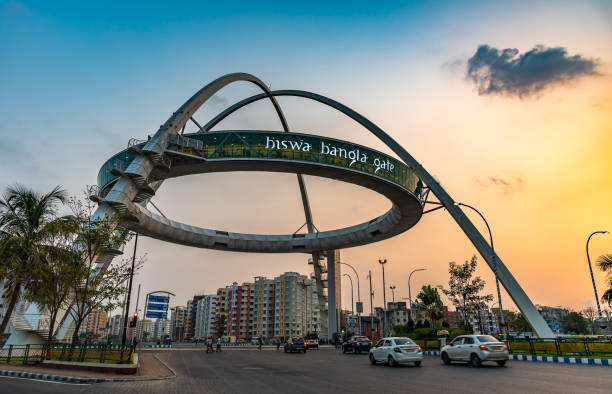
(515, 291)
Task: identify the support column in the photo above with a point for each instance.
(332, 321)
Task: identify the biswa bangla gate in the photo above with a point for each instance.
(129, 179)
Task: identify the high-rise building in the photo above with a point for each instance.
(239, 310)
(204, 320)
(159, 329)
(552, 315)
(263, 307)
(220, 316)
(191, 316)
(96, 323)
(143, 329)
(178, 320)
(116, 325)
(293, 305)
(453, 319)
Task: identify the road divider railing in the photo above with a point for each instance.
(561, 347)
(98, 353)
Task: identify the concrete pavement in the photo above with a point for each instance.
(329, 371)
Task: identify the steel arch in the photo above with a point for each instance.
(513, 288)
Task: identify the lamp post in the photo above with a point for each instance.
(382, 263)
(351, 279)
(371, 306)
(499, 300)
(409, 294)
(591, 271)
(129, 294)
(393, 294)
(358, 293)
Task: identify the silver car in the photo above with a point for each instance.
(395, 351)
(475, 349)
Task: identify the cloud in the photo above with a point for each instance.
(506, 184)
(506, 72)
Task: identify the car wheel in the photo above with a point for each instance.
(445, 359)
(501, 363)
(355, 351)
(285, 349)
(304, 351)
(391, 361)
(475, 360)
(417, 363)
(372, 359)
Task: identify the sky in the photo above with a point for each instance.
(507, 104)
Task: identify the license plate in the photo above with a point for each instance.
(410, 350)
(496, 348)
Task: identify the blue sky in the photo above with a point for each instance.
(78, 79)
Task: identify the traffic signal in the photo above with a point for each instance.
(134, 320)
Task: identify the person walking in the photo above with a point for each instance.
(278, 344)
(209, 345)
(259, 343)
(218, 345)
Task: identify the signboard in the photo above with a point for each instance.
(157, 307)
(159, 299)
(156, 315)
(359, 307)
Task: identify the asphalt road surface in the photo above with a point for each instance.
(329, 371)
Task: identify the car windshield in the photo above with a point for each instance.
(357, 339)
(403, 341)
(296, 339)
(486, 338)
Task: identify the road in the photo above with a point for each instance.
(329, 371)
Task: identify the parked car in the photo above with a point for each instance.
(357, 344)
(396, 350)
(475, 349)
(295, 344)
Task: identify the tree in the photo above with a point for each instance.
(464, 291)
(430, 303)
(410, 325)
(574, 323)
(520, 323)
(95, 285)
(605, 264)
(25, 217)
(52, 289)
(591, 315)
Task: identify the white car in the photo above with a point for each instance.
(395, 351)
(475, 349)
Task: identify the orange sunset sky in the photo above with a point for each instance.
(537, 163)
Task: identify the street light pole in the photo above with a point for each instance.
(358, 293)
(127, 307)
(393, 294)
(382, 263)
(591, 271)
(501, 309)
(409, 294)
(371, 305)
(351, 279)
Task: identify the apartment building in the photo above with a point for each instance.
(263, 307)
(239, 310)
(204, 317)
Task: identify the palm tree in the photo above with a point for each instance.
(431, 303)
(605, 264)
(25, 216)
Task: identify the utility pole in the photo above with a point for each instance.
(129, 294)
(136, 314)
(382, 263)
(371, 305)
